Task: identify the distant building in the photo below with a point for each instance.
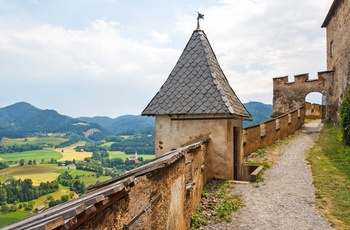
(134, 158)
(7, 182)
(40, 209)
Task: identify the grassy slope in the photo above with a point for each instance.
(38, 155)
(32, 140)
(11, 217)
(330, 163)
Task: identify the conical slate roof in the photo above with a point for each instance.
(196, 85)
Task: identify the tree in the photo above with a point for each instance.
(3, 165)
(78, 187)
(5, 208)
(3, 196)
(64, 198)
(34, 162)
(21, 162)
(30, 162)
(345, 118)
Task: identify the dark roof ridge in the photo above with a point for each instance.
(330, 13)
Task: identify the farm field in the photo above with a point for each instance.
(38, 155)
(122, 155)
(36, 173)
(11, 217)
(69, 153)
(55, 140)
(92, 180)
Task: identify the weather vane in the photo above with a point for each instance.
(200, 16)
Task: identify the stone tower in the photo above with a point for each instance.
(197, 101)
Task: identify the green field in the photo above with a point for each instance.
(122, 155)
(4, 178)
(38, 155)
(11, 217)
(79, 172)
(92, 180)
(32, 140)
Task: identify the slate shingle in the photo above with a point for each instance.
(196, 85)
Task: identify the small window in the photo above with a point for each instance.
(331, 50)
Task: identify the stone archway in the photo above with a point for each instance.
(288, 96)
(315, 105)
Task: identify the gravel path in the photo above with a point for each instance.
(284, 200)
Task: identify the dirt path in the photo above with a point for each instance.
(285, 199)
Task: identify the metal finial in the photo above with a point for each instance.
(200, 16)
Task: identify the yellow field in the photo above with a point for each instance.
(38, 178)
(36, 173)
(69, 153)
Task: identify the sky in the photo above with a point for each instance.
(110, 57)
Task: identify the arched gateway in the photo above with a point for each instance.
(289, 96)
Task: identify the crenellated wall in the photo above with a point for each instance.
(288, 96)
(267, 133)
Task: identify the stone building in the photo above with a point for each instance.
(337, 24)
(332, 84)
(197, 101)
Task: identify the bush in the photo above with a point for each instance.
(345, 118)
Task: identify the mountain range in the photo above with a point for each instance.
(23, 119)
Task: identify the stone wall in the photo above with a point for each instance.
(338, 49)
(313, 110)
(180, 185)
(267, 133)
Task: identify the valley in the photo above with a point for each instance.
(41, 147)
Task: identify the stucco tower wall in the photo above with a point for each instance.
(171, 134)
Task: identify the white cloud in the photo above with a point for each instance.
(160, 38)
(254, 41)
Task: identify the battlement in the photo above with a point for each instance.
(302, 78)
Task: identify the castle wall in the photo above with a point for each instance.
(174, 131)
(288, 96)
(180, 185)
(267, 133)
(313, 110)
(338, 50)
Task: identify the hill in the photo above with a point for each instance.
(260, 112)
(124, 125)
(23, 119)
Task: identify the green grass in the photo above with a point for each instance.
(11, 217)
(122, 155)
(38, 155)
(91, 180)
(107, 144)
(32, 140)
(79, 172)
(330, 163)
